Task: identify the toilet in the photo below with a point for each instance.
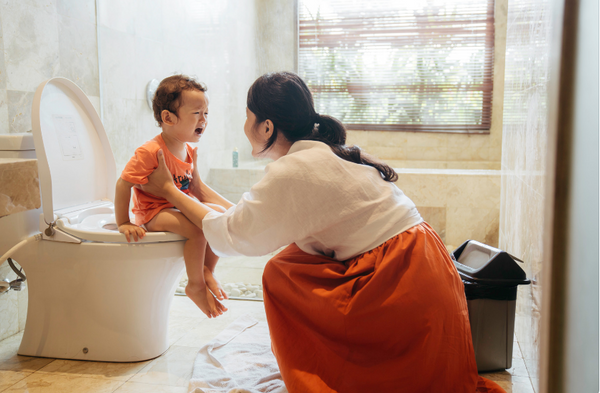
(92, 295)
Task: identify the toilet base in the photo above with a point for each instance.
(99, 301)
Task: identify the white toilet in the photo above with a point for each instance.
(92, 296)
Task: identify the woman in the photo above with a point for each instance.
(365, 298)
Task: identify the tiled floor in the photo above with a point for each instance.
(189, 330)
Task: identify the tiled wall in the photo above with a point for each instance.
(523, 160)
(441, 150)
(152, 39)
(39, 39)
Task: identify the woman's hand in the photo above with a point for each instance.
(160, 182)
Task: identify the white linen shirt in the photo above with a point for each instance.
(311, 197)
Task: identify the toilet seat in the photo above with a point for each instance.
(96, 223)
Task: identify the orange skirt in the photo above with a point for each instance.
(393, 319)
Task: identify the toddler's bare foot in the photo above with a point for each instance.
(205, 301)
(214, 285)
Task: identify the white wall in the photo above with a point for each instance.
(152, 39)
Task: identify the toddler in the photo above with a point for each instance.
(181, 109)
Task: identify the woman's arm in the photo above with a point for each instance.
(160, 183)
(202, 191)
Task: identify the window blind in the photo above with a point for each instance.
(421, 65)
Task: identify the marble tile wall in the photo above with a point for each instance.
(524, 141)
(158, 38)
(39, 39)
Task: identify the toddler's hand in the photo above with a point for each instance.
(131, 230)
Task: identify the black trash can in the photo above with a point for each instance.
(490, 277)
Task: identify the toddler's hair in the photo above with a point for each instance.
(168, 94)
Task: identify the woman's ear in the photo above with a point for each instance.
(269, 129)
(168, 118)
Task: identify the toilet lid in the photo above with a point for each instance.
(75, 162)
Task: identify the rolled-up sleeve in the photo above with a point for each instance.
(271, 215)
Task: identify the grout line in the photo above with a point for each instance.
(526, 367)
(119, 387)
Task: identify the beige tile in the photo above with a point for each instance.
(358, 138)
(386, 152)
(497, 376)
(51, 383)
(180, 326)
(135, 387)
(22, 299)
(9, 378)
(9, 309)
(436, 217)
(518, 369)
(173, 368)
(417, 164)
(517, 385)
(479, 191)
(471, 223)
(424, 190)
(10, 361)
(96, 370)
(434, 153)
(386, 139)
(430, 139)
(489, 165)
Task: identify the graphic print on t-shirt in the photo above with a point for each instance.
(183, 182)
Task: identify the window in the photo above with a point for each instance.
(422, 65)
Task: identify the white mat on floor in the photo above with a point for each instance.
(238, 360)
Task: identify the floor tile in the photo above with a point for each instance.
(9, 378)
(54, 383)
(9, 360)
(518, 368)
(98, 370)
(184, 307)
(135, 387)
(201, 334)
(173, 368)
(517, 385)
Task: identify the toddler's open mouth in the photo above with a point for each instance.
(199, 131)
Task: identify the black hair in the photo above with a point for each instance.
(285, 99)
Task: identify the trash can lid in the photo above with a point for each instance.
(480, 263)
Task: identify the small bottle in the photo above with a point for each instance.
(235, 157)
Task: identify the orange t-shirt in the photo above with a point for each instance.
(143, 163)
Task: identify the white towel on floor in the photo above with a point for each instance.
(238, 360)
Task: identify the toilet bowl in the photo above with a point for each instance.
(92, 295)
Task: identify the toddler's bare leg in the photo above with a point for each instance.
(194, 255)
(213, 284)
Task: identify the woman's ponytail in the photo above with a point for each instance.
(284, 98)
(331, 131)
